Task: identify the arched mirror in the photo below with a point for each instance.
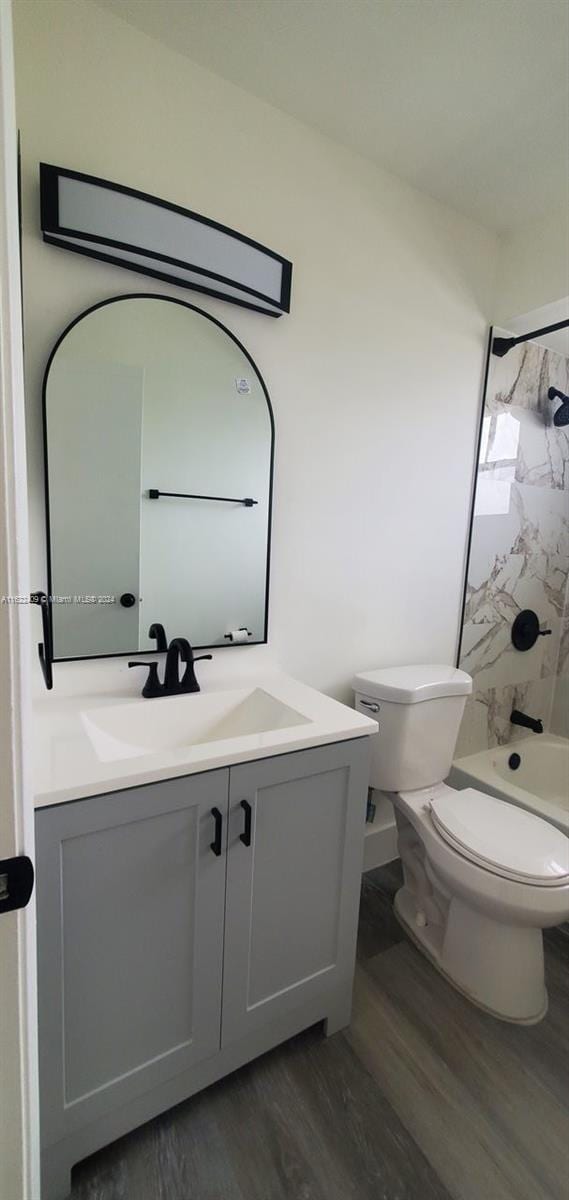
(159, 451)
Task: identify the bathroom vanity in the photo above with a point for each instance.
(198, 855)
(197, 903)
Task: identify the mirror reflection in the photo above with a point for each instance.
(159, 443)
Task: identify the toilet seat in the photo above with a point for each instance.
(503, 839)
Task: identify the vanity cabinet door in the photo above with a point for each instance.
(130, 902)
(294, 862)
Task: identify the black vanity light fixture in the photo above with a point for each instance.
(132, 229)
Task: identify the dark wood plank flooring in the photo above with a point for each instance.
(423, 1098)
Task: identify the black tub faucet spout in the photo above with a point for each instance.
(520, 718)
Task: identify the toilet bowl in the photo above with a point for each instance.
(482, 878)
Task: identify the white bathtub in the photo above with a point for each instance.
(540, 783)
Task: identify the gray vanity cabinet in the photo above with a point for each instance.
(130, 901)
(165, 962)
(291, 911)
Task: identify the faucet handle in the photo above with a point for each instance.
(202, 657)
(152, 687)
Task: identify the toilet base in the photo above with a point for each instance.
(499, 968)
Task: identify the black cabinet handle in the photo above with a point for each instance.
(216, 844)
(245, 837)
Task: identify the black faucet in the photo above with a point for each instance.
(156, 632)
(179, 648)
(520, 718)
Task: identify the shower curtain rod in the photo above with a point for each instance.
(500, 346)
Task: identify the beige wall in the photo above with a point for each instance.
(533, 267)
(375, 377)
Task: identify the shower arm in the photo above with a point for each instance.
(500, 346)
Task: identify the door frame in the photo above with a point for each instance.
(19, 1109)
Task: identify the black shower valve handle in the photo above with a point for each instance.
(525, 630)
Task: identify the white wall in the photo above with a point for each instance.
(533, 267)
(375, 377)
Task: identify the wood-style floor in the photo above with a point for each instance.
(423, 1098)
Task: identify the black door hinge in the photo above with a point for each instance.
(16, 882)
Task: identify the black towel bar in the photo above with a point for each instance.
(154, 494)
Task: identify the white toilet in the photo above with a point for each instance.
(482, 878)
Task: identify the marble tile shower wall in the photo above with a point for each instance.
(519, 556)
(560, 707)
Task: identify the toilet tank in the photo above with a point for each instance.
(419, 710)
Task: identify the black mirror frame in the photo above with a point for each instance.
(47, 608)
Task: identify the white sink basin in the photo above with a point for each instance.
(142, 727)
(89, 744)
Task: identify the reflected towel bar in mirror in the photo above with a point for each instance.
(154, 494)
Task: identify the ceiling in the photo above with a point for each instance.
(467, 100)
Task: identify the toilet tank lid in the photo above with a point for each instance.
(409, 685)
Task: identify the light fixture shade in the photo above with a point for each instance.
(120, 225)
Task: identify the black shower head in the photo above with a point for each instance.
(561, 417)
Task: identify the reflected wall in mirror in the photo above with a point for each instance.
(146, 394)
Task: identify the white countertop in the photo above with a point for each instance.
(67, 766)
